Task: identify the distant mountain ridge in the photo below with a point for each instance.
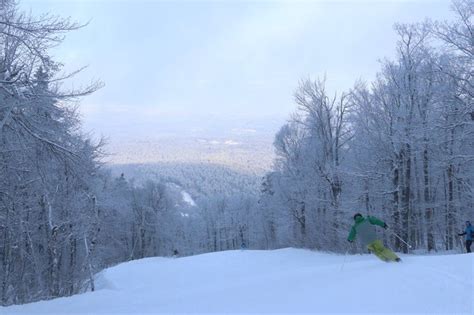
(244, 144)
(243, 154)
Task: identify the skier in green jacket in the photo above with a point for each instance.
(364, 228)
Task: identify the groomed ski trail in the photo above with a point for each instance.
(278, 281)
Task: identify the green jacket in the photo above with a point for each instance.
(364, 229)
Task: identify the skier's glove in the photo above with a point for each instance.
(350, 241)
(385, 226)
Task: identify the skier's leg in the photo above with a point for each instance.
(390, 255)
(382, 252)
(468, 246)
(376, 247)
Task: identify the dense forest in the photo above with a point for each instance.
(400, 148)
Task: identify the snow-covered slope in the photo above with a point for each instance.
(283, 281)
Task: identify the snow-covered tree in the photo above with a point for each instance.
(400, 148)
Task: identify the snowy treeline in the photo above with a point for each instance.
(158, 217)
(400, 148)
(48, 207)
(220, 216)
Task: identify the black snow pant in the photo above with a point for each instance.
(468, 245)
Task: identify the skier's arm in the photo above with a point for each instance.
(352, 234)
(375, 221)
(468, 230)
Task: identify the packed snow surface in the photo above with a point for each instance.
(279, 281)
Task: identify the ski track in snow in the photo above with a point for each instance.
(279, 281)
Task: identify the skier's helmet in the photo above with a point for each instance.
(468, 222)
(357, 215)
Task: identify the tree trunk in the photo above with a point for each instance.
(406, 198)
(428, 202)
(396, 201)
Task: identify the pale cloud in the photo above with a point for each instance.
(187, 58)
(262, 30)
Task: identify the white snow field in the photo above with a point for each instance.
(279, 281)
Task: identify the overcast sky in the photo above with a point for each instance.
(226, 58)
